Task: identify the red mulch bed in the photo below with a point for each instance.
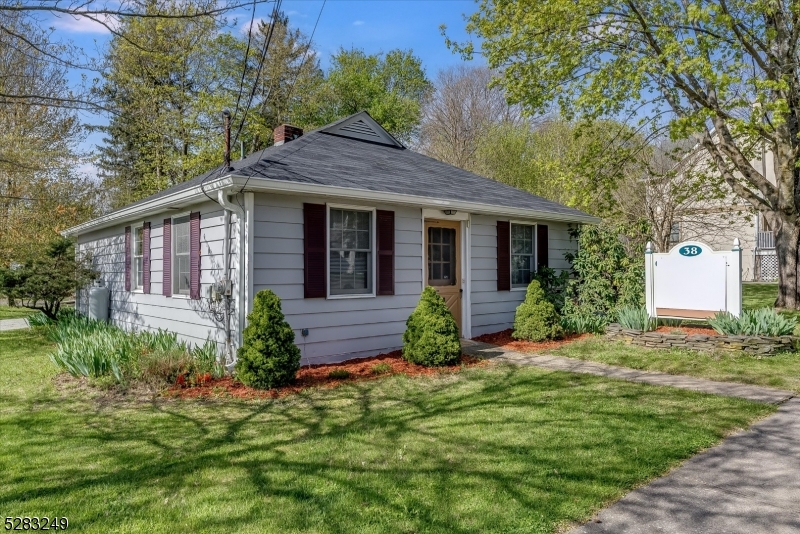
(688, 330)
(313, 376)
(504, 339)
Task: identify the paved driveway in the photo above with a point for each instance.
(749, 484)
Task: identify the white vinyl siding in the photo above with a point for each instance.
(181, 264)
(140, 311)
(493, 310)
(338, 328)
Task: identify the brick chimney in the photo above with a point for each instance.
(285, 133)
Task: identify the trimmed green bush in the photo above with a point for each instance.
(268, 357)
(431, 336)
(536, 318)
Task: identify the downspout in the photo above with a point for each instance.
(229, 208)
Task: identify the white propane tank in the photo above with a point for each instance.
(98, 301)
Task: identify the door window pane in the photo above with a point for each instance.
(441, 256)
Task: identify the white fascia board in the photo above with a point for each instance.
(259, 184)
(281, 186)
(157, 205)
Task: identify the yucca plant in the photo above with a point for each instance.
(635, 318)
(760, 322)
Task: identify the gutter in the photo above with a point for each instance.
(241, 294)
(269, 185)
(283, 186)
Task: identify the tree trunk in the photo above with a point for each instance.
(787, 245)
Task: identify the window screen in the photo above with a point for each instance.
(522, 255)
(180, 261)
(350, 252)
(441, 256)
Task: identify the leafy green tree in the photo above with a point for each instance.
(47, 278)
(41, 192)
(431, 336)
(289, 84)
(268, 357)
(165, 97)
(723, 73)
(392, 87)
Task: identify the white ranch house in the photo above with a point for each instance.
(345, 225)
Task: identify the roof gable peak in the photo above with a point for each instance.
(364, 128)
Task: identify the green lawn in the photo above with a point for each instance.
(497, 449)
(780, 371)
(763, 295)
(8, 312)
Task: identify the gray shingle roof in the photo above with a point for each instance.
(332, 160)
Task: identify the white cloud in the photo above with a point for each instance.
(80, 24)
(358, 23)
(254, 23)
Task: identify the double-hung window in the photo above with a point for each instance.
(138, 258)
(181, 266)
(350, 258)
(523, 258)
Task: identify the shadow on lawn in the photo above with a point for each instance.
(506, 449)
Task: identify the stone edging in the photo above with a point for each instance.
(751, 344)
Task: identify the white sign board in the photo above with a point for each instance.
(692, 281)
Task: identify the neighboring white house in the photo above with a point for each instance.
(345, 225)
(718, 222)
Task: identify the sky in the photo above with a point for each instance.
(372, 25)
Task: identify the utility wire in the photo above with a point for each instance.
(275, 12)
(246, 58)
(294, 82)
(241, 86)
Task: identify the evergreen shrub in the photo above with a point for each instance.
(536, 318)
(431, 336)
(268, 357)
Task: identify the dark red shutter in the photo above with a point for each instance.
(146, 257)
(194, 255)
(127, 258)
(314, 251)
(385, 234)
(166, 271)
(503, 256)
(542, 246)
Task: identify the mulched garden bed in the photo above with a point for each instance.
(688, 330)
(313, 376)
(504, 339)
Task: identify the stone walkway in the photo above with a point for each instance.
(557, 363)
(12, 324)
(750, 483)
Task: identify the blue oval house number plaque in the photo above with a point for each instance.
(690, 250)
